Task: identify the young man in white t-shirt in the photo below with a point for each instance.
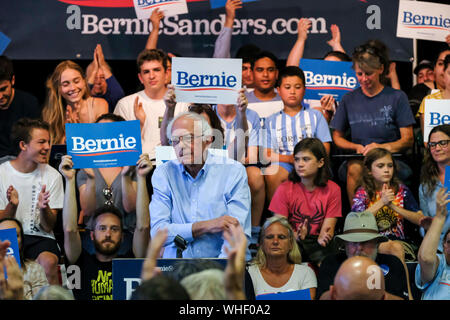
(32, 192)
(147, 105)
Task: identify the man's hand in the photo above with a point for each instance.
(234, 271)
(302, 230)
(144, 165)
(13, 196)
(44, 198)
(369, 147)
(230, 11)
(242, 102)
(155, 18)
(222, 223)
(169, 98)
(303, 25)
(66, 167)
(335, 36)
(149, 268)
(139, 112)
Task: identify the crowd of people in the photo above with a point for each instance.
(296, 171)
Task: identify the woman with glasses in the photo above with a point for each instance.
(436, 159)
(113, 186)
(377, 115)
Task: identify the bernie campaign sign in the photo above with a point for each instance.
(207, 80)
(144, 8)
(436, 113)
(102, 145)
(328, 77)
(13, 249)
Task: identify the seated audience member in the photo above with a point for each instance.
(436, 159)
(359, 278)
(39, 192)
(310, 201)
(277, 266)
(33, 274)
(432, 272)
(69, 100)
(289, 126)
(424, 72)
(187, 198)
(107, 234)
(108, 186)
(361, 238)
(205, 285)
(160, 287)
(14, 104)
(53, 293)
(101, 81)
(148, 105)
(11, 287)
(389, 127)
(442, 72)
(381, 193)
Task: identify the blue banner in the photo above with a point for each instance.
(72, 28)
(13, 250)
(126, 274)
(328, 77)
(102, 145)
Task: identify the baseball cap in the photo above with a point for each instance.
(424, 64)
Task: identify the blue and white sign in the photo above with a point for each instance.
(13, 250)
(207, 80)
(4, 42)
(144, 8)
(423, 20)
(221, 3)
(102, 145)
(126, 274)
(328, 77)
(436, 112)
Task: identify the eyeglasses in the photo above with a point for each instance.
(442, 143)
(188, 138)
(107, 193)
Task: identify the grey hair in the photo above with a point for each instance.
(294, 255)
(205, 285)
(206, 128)
(53, 292)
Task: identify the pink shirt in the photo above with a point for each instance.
(297, 204)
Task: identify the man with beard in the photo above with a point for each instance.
(96, 270)
(361, 238)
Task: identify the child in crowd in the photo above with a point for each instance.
(389, 200)
(287, 127)
(310, 201)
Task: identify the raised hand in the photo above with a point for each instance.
(242, 102)
(234, 271)
(144, 165)
(170, 98)
(149, 268)
(303, 26)
(387, 195)
(66, 167)
(11, 288)
(335, 40)
(156, 17)
(139, 112)
(231, 6)
(442, 199)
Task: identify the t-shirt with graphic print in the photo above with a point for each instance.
(390, 223)
(300, 205)
(373, 119)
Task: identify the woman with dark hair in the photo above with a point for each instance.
(34, 277)
(310, 201)
(436, 159)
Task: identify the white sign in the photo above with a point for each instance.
(144, 8)
(207, 80)
(437, 112)
(423, 20)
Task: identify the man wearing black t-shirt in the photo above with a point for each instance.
(14, 104)
(96, 270)
(361, 238)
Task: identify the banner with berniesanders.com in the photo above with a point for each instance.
(102, 145)
(328, 77)
(207, 80)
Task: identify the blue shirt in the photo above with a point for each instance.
(428, 207)
(178, 201)
(439, 287)
(253, 123)
(284, 132)
(373, 119)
